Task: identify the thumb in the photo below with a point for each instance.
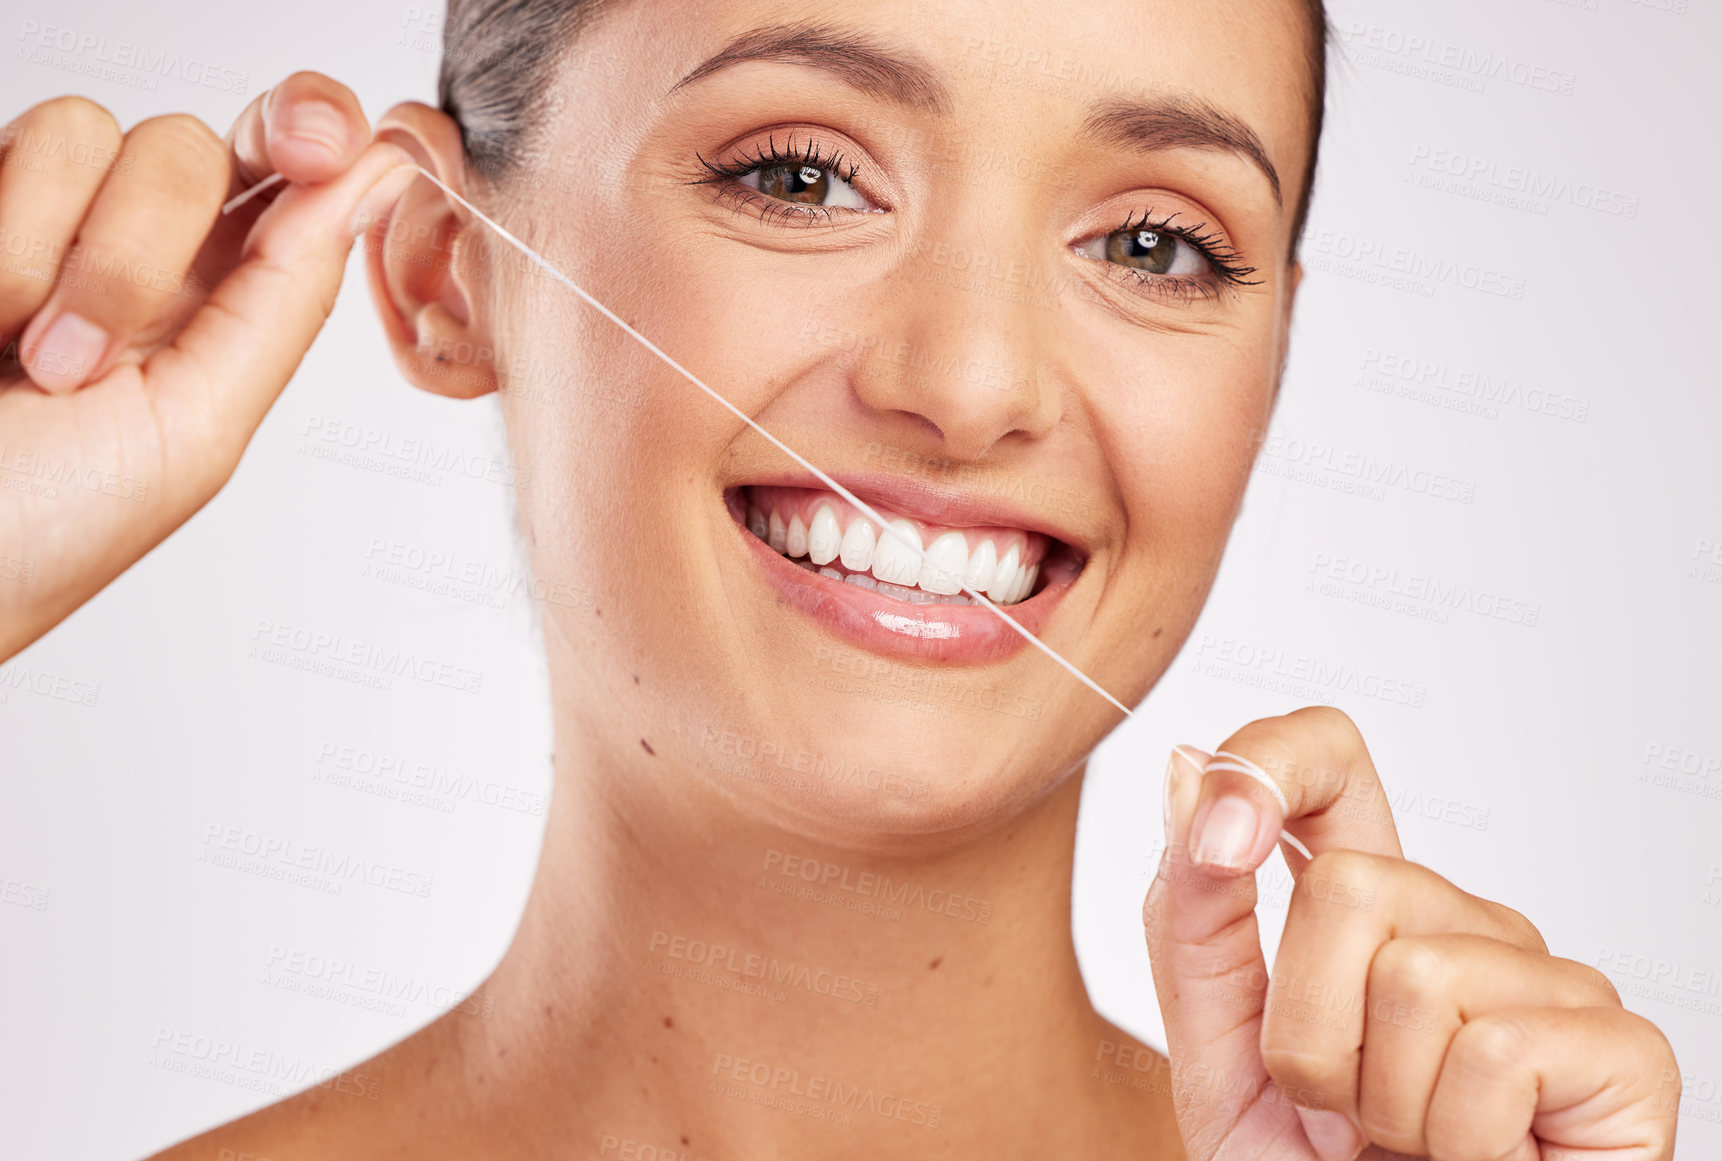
(217, 380)
(1211, 978)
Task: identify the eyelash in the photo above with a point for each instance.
(772, 154)
(1227, 266)
(1228, 270)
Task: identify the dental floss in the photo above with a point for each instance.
(1234, 762)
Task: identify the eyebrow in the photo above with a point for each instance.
(859, 60)
(1178, 122)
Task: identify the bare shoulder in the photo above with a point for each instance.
(373, 1111)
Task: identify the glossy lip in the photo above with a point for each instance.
(947, 634)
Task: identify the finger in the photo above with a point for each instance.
(309, 128)
(1307, 772)
(128, 261)
(1421, 991)
(222, 373)
(1210, 978)
(57, 155)
(1589, 1082)
(1346, 907)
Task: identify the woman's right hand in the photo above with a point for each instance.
(143, 336)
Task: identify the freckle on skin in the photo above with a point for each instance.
(1157, 632)
(647, 747)
(669, 1023)
(935, 964)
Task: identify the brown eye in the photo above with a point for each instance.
(795, 183)
(1148, 250)
(805, 183)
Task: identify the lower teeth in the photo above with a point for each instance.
(899, 592)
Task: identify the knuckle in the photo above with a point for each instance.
(194, 146)
(1294, 1066)
(313, 80)
(78, 117)
(1491, 1045)
(1521, 930)
(1355, 868)
(1330, 718)
(1594, 980)
(1409, 970)
(1392, 1128)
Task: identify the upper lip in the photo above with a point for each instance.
(940, 505)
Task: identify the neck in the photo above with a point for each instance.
(687, 975)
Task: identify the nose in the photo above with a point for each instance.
(967, 351)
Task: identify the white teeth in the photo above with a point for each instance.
(913, 596)
(895, 562)
(895, 557)
(1005, 579)
(1026, 585)
(948, 562)
(983, 563)
(858, 542)
(824, 538)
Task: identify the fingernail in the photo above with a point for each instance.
(319, 123)
(1331, 1134)
(1227, 834)
(66, 353)
(381, 198)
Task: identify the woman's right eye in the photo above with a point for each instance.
(804, 184)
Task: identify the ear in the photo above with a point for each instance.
(422, 274)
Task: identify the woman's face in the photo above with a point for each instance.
(1015, 273)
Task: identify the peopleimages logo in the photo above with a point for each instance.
(235, 847)
(871, 885)
(1432, 58)
(764, 968)
(85, 52)
(778, 1081)
(1539, 188)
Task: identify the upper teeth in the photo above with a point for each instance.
(995, 564)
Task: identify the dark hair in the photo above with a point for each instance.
(498, 56)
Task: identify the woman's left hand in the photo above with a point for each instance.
(1402, 1015)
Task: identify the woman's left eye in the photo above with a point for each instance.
(804, 184)
(1149, 251)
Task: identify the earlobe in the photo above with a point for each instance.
(420, 273)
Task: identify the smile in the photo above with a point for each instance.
(868, 584)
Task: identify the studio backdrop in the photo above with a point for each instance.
(1485, 522)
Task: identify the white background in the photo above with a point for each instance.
(1522, 774)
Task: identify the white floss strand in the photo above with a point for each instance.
(1235, 763)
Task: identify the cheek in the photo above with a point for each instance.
(1186, 426)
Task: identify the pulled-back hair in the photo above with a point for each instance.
(498, 57)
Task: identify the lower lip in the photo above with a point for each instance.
(948, 634)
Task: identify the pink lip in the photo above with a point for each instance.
(948, 634)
